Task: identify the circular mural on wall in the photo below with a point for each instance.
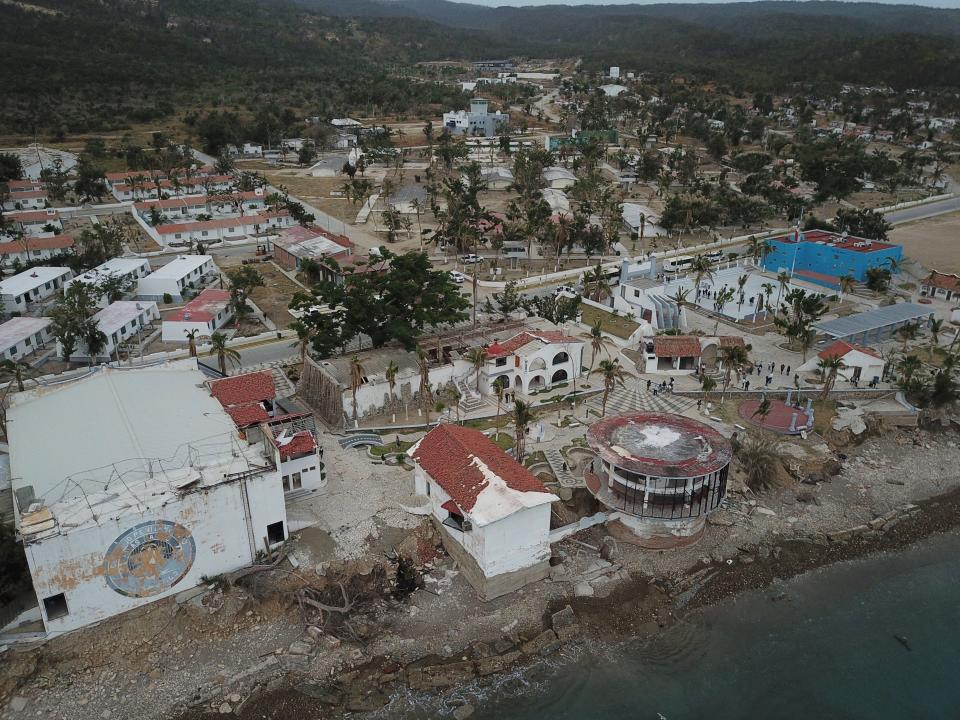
(149, 558)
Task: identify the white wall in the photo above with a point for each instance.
(513, 543)
(311, 479)
(73, 564)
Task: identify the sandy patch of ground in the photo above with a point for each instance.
(934, 242)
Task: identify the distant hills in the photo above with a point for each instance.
(85, 65)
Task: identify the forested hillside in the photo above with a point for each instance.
(763, 44)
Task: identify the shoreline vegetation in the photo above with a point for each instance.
(637, 608)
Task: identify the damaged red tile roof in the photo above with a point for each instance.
(447, 452)
(244, 389)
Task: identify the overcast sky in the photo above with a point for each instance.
(929, 3)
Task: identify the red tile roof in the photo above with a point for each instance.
(676, 346)
(841, 348)
(203, 307)
(732, 341)
(244, 389)
(447, 454)
(300, 444)
(247, 414)
(57, 242)
(944, 281)
(497, 349)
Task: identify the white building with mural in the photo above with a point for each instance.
(155, 495)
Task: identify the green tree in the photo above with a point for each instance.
(223, 352)
(523, 417)
(243, 280)
(612, 375)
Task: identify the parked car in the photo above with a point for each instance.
(471, 259)
(566, 291)
(457, 277)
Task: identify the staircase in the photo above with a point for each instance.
(470, 401)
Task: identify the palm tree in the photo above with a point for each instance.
(391, 375)
(702, 270)
(423, 362)
(894, 264)
(455, 396)
(708, 385)
(846, 283)
(598, 342)
(908, 367)
(936, 327)
(304, 336)
(561, 236)
(741, 281)
(356, 382)
(17, 371)
(767, 291)
(758, 456)
(224, 353)
(192, 340)
(596, 285)
(783, 280)
(829, 367)
(523, 416)
(732, 357)
(612, 375)
(477, 357)
(680, 298)
(907, 332)
(498, 391)
(763, 409)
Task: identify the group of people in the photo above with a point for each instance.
(663, 387)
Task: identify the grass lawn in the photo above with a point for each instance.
(534, 458)
(824, 411)
(618, 325)
(381, 450)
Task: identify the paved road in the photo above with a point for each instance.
(923, 211)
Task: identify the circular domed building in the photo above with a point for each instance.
(662, 473)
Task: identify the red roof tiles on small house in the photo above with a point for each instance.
(944, 281)
(448, 452)
(301, 443)
(247, 414)
(56, 242)
(244, 389)
(203, 307)
(676, 346)
(841, 348)
(507, 347)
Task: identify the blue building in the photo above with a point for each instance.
(823, 257)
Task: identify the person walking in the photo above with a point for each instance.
(746, 385)
(788, 369)
(782, 366)
(649, 381)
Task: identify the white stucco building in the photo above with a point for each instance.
(478, 120)
(28, 248)
(130, 270)
(860, 364)
(122, 321)
(532, 360)
(185, 272)
(31, 286)
(492, 513)
(36, 222)
(22, 336)
(559, 178)
(156, 494)
(204, 315)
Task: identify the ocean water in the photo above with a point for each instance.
(826, 648)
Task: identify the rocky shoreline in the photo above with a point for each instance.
(251, 651)
(639, 607)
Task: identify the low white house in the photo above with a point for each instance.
(559, 178)
(119, 321)
(943, 286)
(30, 249)
(637, 217)
(151, 491)
(860, 364)
(557, 200)
(36, 222)
(25, 195)
(218, 229)
(204, 315)
(184, 273)
(532, 360)
(130, 270)
(32, 286)
(21, 336)
(492, 513)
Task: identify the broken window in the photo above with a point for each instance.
(55, 606)
(275, 533)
